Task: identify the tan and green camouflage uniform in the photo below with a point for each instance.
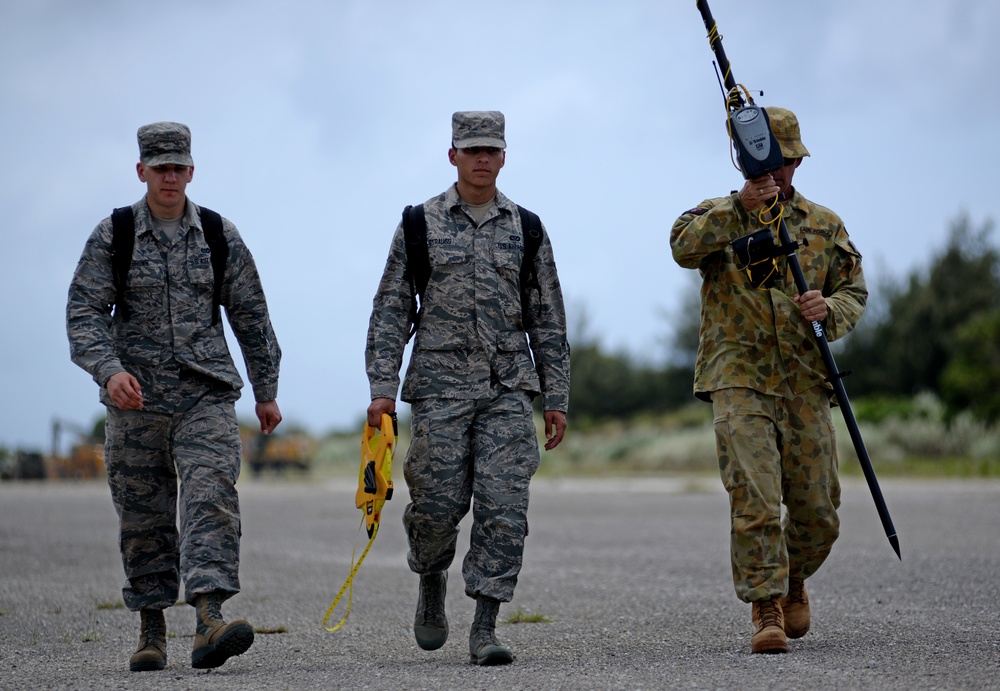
(470, 380)
(187, 428)
(759, 364)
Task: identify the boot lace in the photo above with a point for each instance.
(152, 630)
(209, 613)
(485, 623)
(432, 597)
(769, 613)
(155, 626)
(796, 591)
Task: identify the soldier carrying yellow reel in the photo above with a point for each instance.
(374, 490)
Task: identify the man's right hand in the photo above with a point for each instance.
(377, 408)
(757, 193)
(125, 391)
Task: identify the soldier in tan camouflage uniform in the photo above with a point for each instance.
(759, 365)
(169, 383)
(470, 381)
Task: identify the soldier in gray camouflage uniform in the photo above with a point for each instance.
(170, 386)
(759, 365)
(470, 382)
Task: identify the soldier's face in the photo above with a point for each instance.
(165, 186)
(478, 166)
(783, 176)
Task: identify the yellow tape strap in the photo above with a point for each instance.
(348, 583)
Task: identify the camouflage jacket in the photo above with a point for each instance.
(169, 294)
(471, 323)
(757, 338)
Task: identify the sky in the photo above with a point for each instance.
(315, 122)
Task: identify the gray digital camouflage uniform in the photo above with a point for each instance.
(759, 365)
(472, 374)
(187, 427)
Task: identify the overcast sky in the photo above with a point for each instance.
(315, 123)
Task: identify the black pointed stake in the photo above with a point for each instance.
(834, 376)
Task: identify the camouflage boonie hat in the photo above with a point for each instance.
(785, 127)
(477, 128)
(165, 142)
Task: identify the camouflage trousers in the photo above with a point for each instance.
(146, 453)
(775, 451)
(462, 450)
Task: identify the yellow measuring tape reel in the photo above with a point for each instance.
(374, 490)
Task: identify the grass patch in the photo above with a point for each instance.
(923, 467)
(270, 629)
(111, 605)
(911, 440)
(523, 617)
(91, 637)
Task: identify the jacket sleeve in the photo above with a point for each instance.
(389, 325)
(246, 309)
(547, 331)
(845, 289)
(88, 320)
(706, 229)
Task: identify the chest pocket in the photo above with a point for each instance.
(199, 269)
(508, 251)
(147, 269)
(451, 264)
(815, 256)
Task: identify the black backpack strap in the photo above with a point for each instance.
(122, 243)
(531, 229)
(211, 223)
(418, 261)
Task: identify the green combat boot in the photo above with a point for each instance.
(769, 627)
(151, 654)
(430, 626)
(483, 646)
(215, 641)
(795, 607)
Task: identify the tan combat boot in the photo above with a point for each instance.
(430, 625)
(795, 607)
(769, 627)
(151, 654)
(484, 649)
(215, 641)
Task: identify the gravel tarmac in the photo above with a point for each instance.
(632, 575)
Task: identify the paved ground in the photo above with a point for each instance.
(633, 575)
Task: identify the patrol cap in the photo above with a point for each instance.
(477, 128)
(785, 127)
(165, 142)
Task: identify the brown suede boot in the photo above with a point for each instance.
(484, 649)
(795, 607)
(151, 654)
(769, 625)
(215, 641)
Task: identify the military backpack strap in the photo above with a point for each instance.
(211, 223)
(122, 243)
(531, 229)
(418, 261)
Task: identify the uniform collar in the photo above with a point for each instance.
(144, 218)
(454, 201)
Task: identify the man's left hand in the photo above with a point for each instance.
(812, 305)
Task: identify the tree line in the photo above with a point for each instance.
(934, 330)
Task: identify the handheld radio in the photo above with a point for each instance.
(757, 150)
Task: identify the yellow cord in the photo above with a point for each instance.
(350, 579)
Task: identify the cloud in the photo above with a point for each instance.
(316, 122)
